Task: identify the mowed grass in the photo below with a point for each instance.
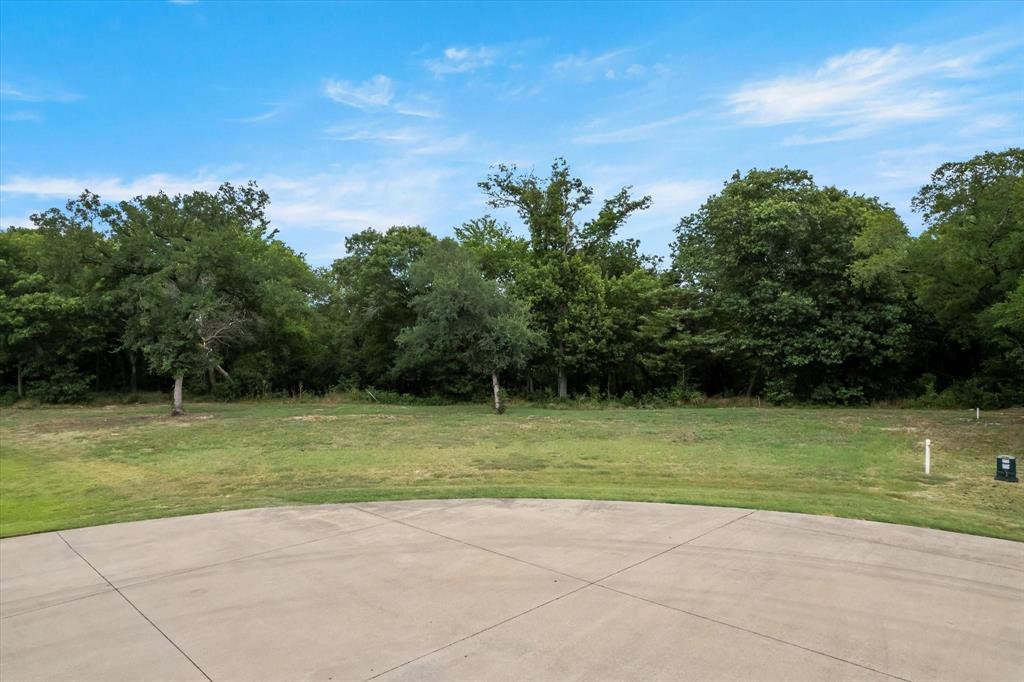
(69, 467)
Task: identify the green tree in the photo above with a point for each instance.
(372, 298)
(502, 255)
(967, 267)
(563, 279)
(773, 257)
(464, 318)
(189, 274)
(55, 321)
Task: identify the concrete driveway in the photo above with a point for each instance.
(510, 589)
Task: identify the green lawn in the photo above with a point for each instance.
(67, 467)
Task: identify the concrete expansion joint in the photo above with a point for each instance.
(798, 593)
(403, 522)
(598, 583)
(132, 604)
(585, 585)
(184, 571)
(753, 632)
(675, 547)
(245, 557)
(105, 590)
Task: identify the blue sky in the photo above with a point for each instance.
(369, 115)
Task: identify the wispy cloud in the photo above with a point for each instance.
(609, 65)
(671, 200)
(989, 123)
(308, 208)
(374, 133)
(420, 106)
(519, 91)
(585, 62)
(860, 92)
(632, 133)
(111, 188)
(413, 140)
(442, 146)
(263, 117)
(370, 95)
(183, 2)
(462, 60)
(910, 168)
(21, 94)
(378, 94)
(680, 193)
(24, 116)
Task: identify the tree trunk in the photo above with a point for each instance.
(497, 393)
(133, 361)
(177, 409)
(211, 378)
(21, 388)
(563, 384)
(753, 382)
(529, 383)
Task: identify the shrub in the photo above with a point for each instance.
(778, 392)
(64, 385)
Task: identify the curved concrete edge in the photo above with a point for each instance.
(523, 588)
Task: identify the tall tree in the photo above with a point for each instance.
(55, 321)
(464, 318)
(967, 267)
(189, 276)
(771, 256)
(372, 298)
(563, 289)
(502, 255)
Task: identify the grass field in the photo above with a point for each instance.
(67, 467)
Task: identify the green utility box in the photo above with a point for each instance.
(1006, 468)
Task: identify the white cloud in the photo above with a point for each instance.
(442, 146)
(378, 94)
(608, 65)
(987, 123)
(349, 133)
(586, 65)
(109, 188)
(520, 91)
(461, 60)
(911, 167)
(420, 106)
(417, 141)
(14, 221)
(680, 194)
(314, 212)
(22, 94)
(670, 201)
(260, 118)
(26, 116)
(632, 133)
(860, 92)
(369, 95)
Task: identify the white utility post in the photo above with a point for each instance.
(977, 413)
(927, 456)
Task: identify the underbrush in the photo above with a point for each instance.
(962, 395)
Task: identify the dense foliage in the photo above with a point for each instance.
(777, 288)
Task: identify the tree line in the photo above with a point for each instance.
(776, 287)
